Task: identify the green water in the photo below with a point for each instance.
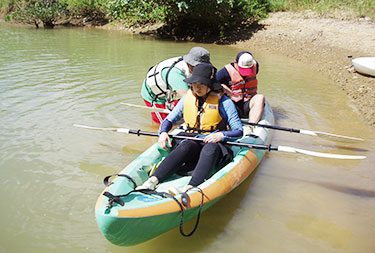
(51, 172)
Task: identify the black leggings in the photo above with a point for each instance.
(200, 156)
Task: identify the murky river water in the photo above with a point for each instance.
(51, 172)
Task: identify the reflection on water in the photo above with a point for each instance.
(52, 172)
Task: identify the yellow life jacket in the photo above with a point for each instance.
(208, 118)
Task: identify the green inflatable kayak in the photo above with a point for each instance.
(127, 217)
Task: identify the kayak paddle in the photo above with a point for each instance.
(255, 146)
(146, 107)
(301, 131)
(292, 130)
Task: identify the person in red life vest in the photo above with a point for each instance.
(241, 85)
(164, 84)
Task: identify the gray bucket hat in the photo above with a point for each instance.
(197, 55)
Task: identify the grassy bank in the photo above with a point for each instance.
(347, 9)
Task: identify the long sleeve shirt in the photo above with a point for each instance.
(227, 111)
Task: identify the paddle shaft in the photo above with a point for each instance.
(272, 127)
(291, 130)
(247, 145)
(256, 146)
(306, 132)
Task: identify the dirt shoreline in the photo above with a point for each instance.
(325, 44)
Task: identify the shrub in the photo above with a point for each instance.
(210, 18)
(90, 10)
(135, 11)
(35, 11)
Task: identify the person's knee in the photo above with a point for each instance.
(211, 149)
(257, 100)
(260, 98)
(187, 145)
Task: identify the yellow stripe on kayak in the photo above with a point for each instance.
(222, 186)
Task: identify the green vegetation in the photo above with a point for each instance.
(49, 12)
(189, 19)
(89, 10)
(205, 20)
(334, 8)
(4, 5)
(33, 11)
(183, 19)
(135, 12)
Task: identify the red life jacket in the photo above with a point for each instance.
(242, 88)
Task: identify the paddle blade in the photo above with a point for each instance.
(155, 109)
(318, 154)
(306, 132)
(336, 136)
(95, 128)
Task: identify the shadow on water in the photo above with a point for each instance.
(194, 30)
(347, 190)
(279, 113)
(357, 192)
(350, 148)
(212, 224)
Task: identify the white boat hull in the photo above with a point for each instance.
(364, 65)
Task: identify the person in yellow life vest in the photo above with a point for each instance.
(208, 113)
(241, 85)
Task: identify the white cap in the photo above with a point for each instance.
(246, 61)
